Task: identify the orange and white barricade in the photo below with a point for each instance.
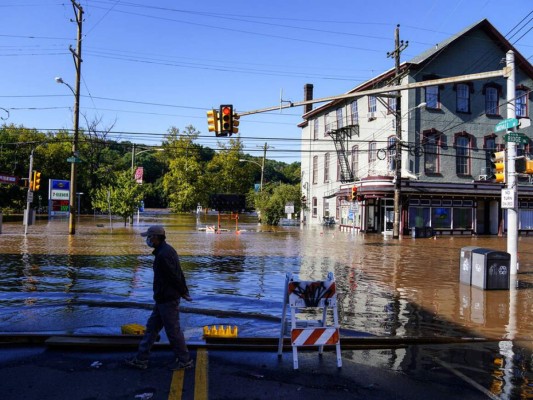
(310, 294)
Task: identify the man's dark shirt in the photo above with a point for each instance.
(169, 281)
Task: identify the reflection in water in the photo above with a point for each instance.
(101, 278)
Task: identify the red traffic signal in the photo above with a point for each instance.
(226, 119)
(354, 193)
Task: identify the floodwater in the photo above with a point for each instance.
(101, 278)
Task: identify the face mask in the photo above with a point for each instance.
(149, 242)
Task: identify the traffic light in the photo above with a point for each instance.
(498, 166)
(212, 121)
(354, 193)
(529, 166)
(520, 164)
(235, 124)
(226, 119)
(35, 183)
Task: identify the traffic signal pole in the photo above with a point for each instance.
(512, 213)
(28, 199)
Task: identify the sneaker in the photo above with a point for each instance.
(176, 365)
(136, 363)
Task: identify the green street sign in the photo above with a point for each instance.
(516, 137)
(73, 160)
(506, 124)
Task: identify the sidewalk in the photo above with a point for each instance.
(437, 371)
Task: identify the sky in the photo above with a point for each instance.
(150, 65)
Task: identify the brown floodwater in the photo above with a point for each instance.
(100, 278)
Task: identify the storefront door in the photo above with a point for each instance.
(387, 215)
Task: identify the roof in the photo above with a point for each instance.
(429, 54)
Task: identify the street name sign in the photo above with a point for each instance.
(516, 137)
(73, 160)
(506, 124)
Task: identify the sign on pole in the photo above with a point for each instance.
(506, 124)
(509, 199)
(516, 137)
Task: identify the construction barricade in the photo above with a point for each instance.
(304, 295)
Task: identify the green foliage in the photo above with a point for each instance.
(122, 196)
(180, 177)
(271, 202)
(184, 182)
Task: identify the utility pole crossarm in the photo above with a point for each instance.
(385, 90)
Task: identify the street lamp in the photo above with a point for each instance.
(398, 168)
(133, 154)
(72, 195)
(262, 166)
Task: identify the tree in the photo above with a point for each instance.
(271, 202)
(122, 196)
(184, 181)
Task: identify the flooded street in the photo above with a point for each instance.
(100, 278)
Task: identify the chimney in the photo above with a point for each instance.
(308, 95)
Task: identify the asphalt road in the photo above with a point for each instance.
(440, 371)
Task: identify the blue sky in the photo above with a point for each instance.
(152, 65)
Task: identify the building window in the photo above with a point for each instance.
(521, 103)
(391, 104)
(462, 154)
(432, 97)
(431, 152)
(372, 152)
(355, 161)
(326, 167)
(372, 107)
(327, 123)
(315, 129)
(463, 97)
(340, 122)
(441, 217)
(315, 170)
(491, 101)
(338, 170)
(391, 154)
(354, 112)
(315, 207)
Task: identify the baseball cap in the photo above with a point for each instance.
(154, 230)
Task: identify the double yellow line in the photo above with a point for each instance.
(200, 379)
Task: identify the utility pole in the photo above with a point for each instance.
(399, 46)
(76, 54)
(265, 148)
(28, 213)
(512, 213)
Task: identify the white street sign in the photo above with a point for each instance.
(509, 198)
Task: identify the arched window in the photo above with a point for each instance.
(391, 154)
(326, 167)
(431, 152)
(521, 102)
(355, 161)
(462, 153)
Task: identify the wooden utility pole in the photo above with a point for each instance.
(76, 54)
(399, 46)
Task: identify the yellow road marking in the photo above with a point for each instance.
(200, 375)
(176, 386)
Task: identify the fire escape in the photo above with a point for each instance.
(341, 137)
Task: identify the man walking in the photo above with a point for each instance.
(169, 287)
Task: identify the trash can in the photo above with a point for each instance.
(422, 232)
(465, 264)
(490, 269)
